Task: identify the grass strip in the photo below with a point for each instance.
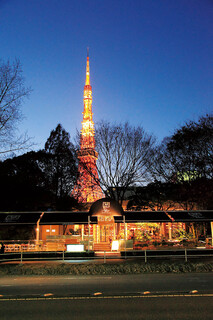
(102, 269)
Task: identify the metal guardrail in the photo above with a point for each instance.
(145, 255)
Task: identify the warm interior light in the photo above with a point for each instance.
(115, 245)
(75, 247)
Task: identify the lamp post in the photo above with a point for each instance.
(38, 228)
(124, 235)
(88, 232)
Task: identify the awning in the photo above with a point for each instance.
(106, 206)
(19, 218)
(191, 216)
(66, 218)
(70, 217)
(143, 216)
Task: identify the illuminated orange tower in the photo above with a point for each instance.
(87, 188)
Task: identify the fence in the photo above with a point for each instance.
(144, 255)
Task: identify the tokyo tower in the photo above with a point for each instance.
(87, 188)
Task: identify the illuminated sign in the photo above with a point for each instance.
(75, 247)
(12, 218)
(104, 220)
(197, 215)
(115, 245)
(106, 207)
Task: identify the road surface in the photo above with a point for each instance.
(151, 296)
(71, 285)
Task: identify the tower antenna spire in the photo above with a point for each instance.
(87, 82)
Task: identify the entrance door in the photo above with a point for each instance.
(106, 233)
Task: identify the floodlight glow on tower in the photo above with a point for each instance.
(87, 188)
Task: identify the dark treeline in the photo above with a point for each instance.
(131, 166)
(40, 180)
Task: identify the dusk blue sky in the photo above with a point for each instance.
(151, 61)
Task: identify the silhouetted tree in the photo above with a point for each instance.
(187, 154)
(186, 158)
(23, 183)
(61, 164)
(12, 94)
(124, 155)
(170, 195)
(40, 180)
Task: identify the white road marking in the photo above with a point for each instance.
(112, 297)
(6, 285)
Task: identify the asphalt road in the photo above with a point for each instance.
(147, 308)
(146, 296)
(70, 285)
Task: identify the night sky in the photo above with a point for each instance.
(151, 61)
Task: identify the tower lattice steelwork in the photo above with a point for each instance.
(87, 188)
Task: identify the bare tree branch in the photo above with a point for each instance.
(12, 94)
(124, 155)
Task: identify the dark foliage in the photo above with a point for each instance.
(185, 161)
(61, 164)
(40, 180)
(187, 154)
(23, 183)
(165, 196)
